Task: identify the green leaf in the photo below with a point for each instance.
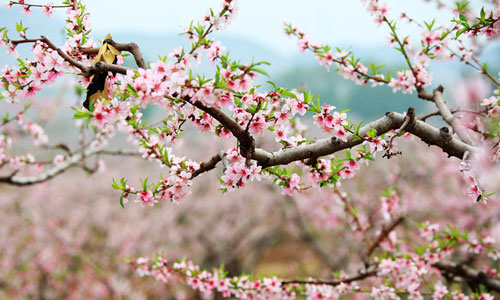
(145, 184)
(430, 25)
(121, 201)
(358, 127)
(463, 18)
(260, 71)
(19, 26)
(272, 83)
(115, 185)
(459, 33)
(131, 89)
(81, 114)
(288, 94)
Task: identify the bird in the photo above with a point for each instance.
(97, 88)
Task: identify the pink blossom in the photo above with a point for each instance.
(58, 159)
(145, 197)
(11, 49)
(281, 133)
(215, 50)
(48, 9)
(439, 291)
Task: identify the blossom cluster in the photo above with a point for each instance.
(207, 282)
(33, 75)
(35, 132)
(334, 124)
(229, 104)
(377, 10)
(404, 274)
(486, 25)
(347, 65)
(238, 173)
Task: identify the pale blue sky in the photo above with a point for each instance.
(342, 22)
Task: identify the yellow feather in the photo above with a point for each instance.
(107, 53)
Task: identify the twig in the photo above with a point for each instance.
(209, 165)
(38, 5)
(454, 111)
(308, 238)
(485, 70)
(61, 146)
(361, 276)
(17, 42)
(64, 55)
(382, 235)
(354, 215)
(409, 118)
(120, 152)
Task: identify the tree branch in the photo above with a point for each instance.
(60, 168)
(133, 48)
(472, 277)
(102, 67)
(209, 165)
(385, 232)
(361, 276)
(349, 209)
(390, 121)
(447, 115)
(410, 118)
(437, 113)
(119, 152)
(64, 55)
(308, 238)
(247, 143)
(59, 51)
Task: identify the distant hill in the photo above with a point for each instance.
(286, 70)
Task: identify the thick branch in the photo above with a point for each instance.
(472, 277)
(130, 47)
(447, 115)
(247, 143)
(393, 120)
(102, 67)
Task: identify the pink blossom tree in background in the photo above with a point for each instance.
(389, 209)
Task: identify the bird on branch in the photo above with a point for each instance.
(97, 88)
